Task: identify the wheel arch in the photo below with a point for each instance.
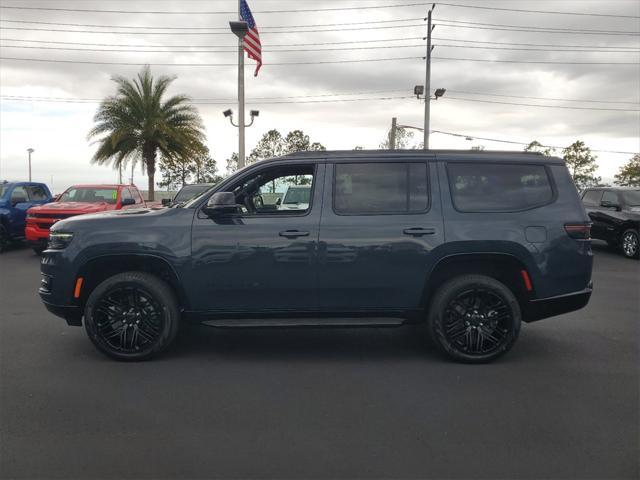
(97, 269)
(504, 267)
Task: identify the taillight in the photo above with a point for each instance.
(580, 231)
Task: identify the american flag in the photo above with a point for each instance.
(251, 41)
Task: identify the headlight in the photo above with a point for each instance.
(59, 240)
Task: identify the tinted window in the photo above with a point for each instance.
(37, 193)
(370, 188)
(498, 187)
(19, 194)
(90, 195)
(125, 193)
(592, 197)
(262, 193)
(631, 198)
(610, 197)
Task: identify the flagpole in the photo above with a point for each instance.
(240, 96)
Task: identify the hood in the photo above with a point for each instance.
(71, 207)
(134, 215)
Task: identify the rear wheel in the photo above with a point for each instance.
(630, 243)
(474, 318)
(132, 316)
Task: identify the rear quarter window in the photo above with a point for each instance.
(493, 187)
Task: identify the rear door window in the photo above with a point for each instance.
(36, 193)
(492, 187)
(379, 188)
(592, 197)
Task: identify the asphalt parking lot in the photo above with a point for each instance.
(322, 403)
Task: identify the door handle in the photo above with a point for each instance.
(293, 233)
(419, 231)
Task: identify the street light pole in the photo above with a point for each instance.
(241, 153)
(392, 134)
(30, 150)
(427, 83)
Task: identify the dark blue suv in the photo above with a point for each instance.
(471, 243)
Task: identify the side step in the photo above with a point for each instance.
(306, 322)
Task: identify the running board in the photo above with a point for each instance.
(306, 322)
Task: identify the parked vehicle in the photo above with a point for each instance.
(15, 199)
(615, 213)
(186, 193)
(472, 243)
(78, 200)
(296, 198)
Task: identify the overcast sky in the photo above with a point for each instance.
(57, 130)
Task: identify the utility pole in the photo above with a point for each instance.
(392, 134)
(30, 150)
(427, 83)
(240, 95)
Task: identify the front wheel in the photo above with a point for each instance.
(474, 318)
(630, 243)
(132, 316)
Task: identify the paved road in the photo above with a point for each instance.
(322, 403)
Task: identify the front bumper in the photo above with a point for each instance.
(550, 307)
(71, 313)
(35, 234)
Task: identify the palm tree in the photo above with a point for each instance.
(137, 124)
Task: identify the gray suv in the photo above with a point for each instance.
(470, 243)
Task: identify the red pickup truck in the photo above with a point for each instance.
(78, 200)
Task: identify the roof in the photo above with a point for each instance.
(616, 188)
(101, 185)
(449, 155)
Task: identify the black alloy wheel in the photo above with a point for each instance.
(474, 318)
(630, 244)
(132, 316)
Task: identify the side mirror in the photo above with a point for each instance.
(221, 204)
(127, 201)
(608, 204)
(166, 202)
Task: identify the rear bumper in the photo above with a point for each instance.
(552, 306)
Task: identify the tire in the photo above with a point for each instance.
(132, 316)
(630, 243)
(5, 240)
(468, 313)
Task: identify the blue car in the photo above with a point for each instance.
(15, 199)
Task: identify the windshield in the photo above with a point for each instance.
(297, 195)
(190, 191)
(631, 198)
(90, 195)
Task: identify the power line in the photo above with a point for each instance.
(93, 62)
(89, 62)
(209, 12)
(309, 49)
(226, 102)
(234, 47)
(370, 92)
(402, 39)
(566, 107)
(541, 62)
(226, 29)
(231, 50)
(287, 31)
(533, 30)
(578, 30)
(540, 98)
(462, 135)
(553, 12)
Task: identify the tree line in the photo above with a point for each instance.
(140, 125)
